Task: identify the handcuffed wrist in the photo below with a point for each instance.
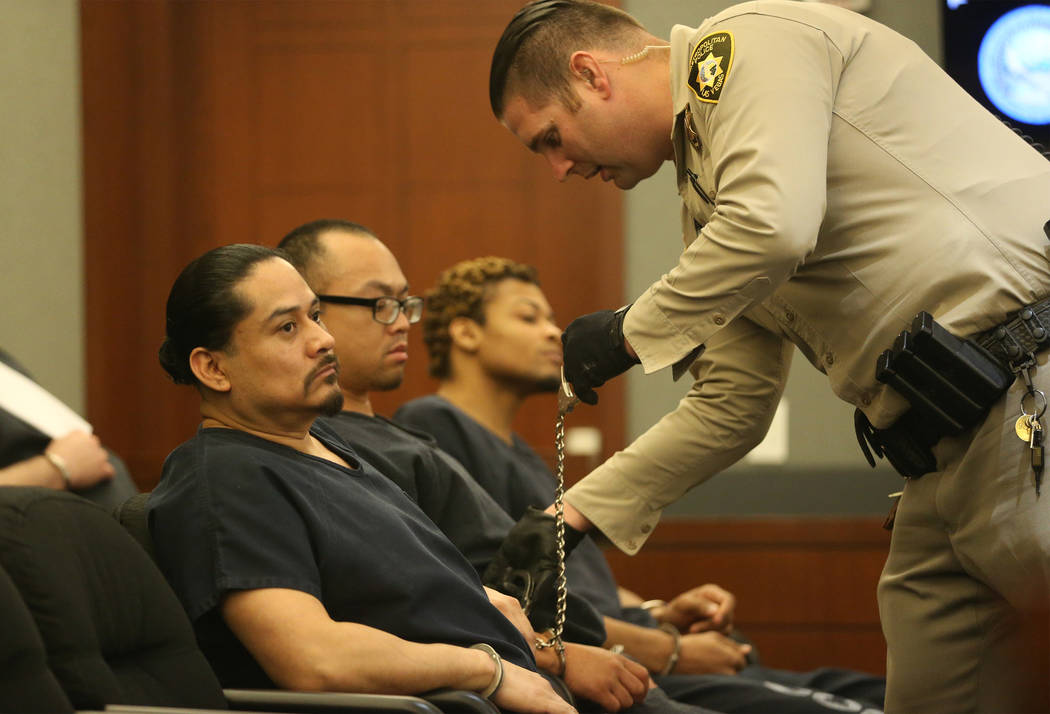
(547, 640)
(61, 466)
(650, 605)
(676, 650)
(497, 678)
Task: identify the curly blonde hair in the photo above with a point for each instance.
(462, 291)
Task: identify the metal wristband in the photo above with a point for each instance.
(676, 652)
(60, 464)
(547, 639)
(559, 647)
(650, 605)
(497, 677)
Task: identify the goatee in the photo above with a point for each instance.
(332, 404)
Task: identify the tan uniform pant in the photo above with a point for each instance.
(966, 587)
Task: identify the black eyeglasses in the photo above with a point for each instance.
(384, 309)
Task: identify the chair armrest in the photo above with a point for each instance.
(150, 709)
(275, 700)
(454, 701)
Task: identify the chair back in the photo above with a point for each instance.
(26, 683)
(113, 630)
(132, 514)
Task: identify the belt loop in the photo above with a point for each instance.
(1038, 331)
(1009, 344)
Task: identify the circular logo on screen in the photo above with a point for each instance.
(1013, 64)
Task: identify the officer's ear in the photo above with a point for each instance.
(465, 334)
(208, 367)
(586, 68)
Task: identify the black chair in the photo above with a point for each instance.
(113, 631)
(26, 683)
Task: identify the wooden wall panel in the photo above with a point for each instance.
(805, 588)
(208, 123)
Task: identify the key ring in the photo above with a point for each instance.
(1034, 393)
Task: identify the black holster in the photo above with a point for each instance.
(950, 383)
(905, 444)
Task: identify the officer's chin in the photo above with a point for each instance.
(625, 183)
(628, 178)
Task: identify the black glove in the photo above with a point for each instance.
(526, 565)
(594, 352)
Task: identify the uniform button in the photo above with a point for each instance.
(645, 528)
(865, 399)
(789, 316)
(1026, 314)
(829, 359)
(719, 320)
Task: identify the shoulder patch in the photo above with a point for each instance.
(709, 66)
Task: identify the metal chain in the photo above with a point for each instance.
(559, 537)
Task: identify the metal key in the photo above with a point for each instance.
(1035, 444)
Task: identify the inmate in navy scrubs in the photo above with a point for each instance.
(237, 512)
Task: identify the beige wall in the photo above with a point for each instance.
(820, 436)
(41, 321)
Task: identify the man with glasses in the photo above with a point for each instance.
(347, 265)
(376, 347)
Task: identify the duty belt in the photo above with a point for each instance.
(1027, 332)
(951, 383)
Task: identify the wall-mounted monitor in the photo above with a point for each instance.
(1000, 52)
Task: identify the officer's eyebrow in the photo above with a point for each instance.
(534, 145)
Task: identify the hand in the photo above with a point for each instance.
(525, 691)
(511, 609)
(526, 565)
(87, 462)
(608, 679)
(594, 350)
(701, 609)
(711, 653)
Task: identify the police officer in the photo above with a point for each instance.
(835, 183)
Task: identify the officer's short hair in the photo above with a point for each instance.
(462, 291)
(532, 56)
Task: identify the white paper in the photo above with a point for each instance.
(33, 404)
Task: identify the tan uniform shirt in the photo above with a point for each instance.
(835, 182)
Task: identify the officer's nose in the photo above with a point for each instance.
(561, 166)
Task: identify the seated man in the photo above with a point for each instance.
(349, 268)
(299, 565)
(493, 343)
(76, 461)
